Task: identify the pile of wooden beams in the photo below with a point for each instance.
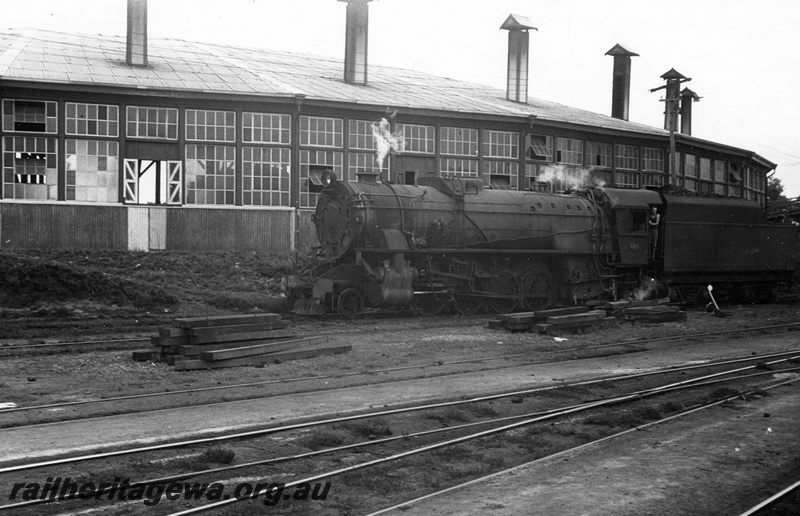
(235, 340)
(648, 311)
(549, 321)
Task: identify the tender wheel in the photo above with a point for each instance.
(540, 291)
(505, 283)
(467, 305)
(351, 301)
(429, 305)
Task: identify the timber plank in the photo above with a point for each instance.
(171, 331)
(235, 328)
(587, 316)
(169, 341)
(223, 320)
(192, 350)
(261, 349)
(557, 312)
(239, 336)
(256, 360)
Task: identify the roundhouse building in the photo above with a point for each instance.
(137, 143)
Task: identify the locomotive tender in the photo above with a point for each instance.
(451, 241)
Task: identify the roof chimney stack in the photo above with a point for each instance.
(688, 97)
(518, 41)
(136, 54)
(355, 48)
(621, 85)
(673, 86)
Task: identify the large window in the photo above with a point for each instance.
(627, 179)
(360, 135)
(29, 116)
(419, 139)
(92, 171)
(266, 128)
(500, 144)
(92, 119)
(213, 126)
(719, 177)
(627, 158)
(598, 154)
(152, 122)
(690, 172)
(313, 165)
(29, 168)
(539, 147)
(210, 174)
(502, 175)
(459, 167)
(265, 176)
(653, 159)
(569, 151)
(321, 132)
(458, 141)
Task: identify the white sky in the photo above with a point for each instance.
(743, 55)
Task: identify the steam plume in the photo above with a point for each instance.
(570, 177)
(386, 141)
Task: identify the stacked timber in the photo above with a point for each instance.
(229, 341)
(549, 321)
(650, 310)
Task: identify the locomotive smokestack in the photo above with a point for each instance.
(621, 85)
(688, 97)
(136, 49)
(518, 42)
(355, 48)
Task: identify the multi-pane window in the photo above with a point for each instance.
(705, 169)
(318, 131)
(626, 179)
(539, 147)
(29, 168)
(210, 174)
(265, 176)
(598, 154)
(719, 177)
(266, 128)
(152, 122)
(690, 172)
(458, 141)
(653, 159)
(628, 158)
(419, 139)
(313, 165)
(502, 175)
(360, 162)
(569, 151)
(360, 135)
(500, 144)
(29, 116)
(459, 167)
(213, 126)
(735, 178)
(92, 119)
(652, 179)
(92, 171)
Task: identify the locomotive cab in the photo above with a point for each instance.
(631, 208)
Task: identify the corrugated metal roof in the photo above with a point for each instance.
(176, 65)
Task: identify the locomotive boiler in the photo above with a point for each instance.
(453, 242)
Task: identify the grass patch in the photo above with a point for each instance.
(368, 428)
(218, 455)
(324, 438)
(451, 415)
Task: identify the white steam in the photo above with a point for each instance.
(386, 141)
(569, 177)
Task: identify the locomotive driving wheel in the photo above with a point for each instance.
(504, 284)
(466, 305)
(429, 304)
(351, 301)
(539, 290)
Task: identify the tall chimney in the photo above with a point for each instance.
(621, 85)
(674, 80)
(517, 83)
(136, 52)
(355, 47)
(688, 97)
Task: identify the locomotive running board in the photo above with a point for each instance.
(550, 252)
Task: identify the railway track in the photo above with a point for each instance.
(55, 410)
(564, 404)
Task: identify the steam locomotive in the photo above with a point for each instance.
(453, 242)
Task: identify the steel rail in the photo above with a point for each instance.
(772, 499)
(405, 505)
(368, 372)
(423, 449)
(559, 411)
(308, 424)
